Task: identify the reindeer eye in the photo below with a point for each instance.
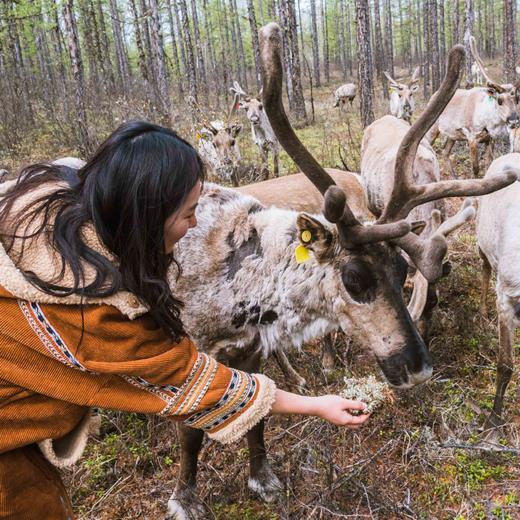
(500, 101)
(260, 106)
(359, 281)
(232, 142)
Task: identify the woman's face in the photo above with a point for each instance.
(178, 223)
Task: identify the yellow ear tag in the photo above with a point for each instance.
(301, 254)
(198, 136)
(306, 236)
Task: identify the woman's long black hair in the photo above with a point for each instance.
(135, 180)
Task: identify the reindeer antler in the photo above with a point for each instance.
(480, 64)
(237, 89)
(390, 79)
(415, 76)
(336, 209)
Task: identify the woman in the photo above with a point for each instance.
(88, 318)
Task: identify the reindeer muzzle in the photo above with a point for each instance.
(513, 122)
(403, 371)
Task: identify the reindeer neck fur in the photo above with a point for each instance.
(263, 134)
(241, 284)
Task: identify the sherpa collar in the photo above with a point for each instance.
(39, 257)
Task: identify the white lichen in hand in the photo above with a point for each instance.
(368, 390)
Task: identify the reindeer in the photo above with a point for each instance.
(378, 159)
(478, 115)
(476, 76)
(297, 193)
(346, 92)
(218, 145)
(261, 130)
(256, 298)
(498, 223)
(402, 103)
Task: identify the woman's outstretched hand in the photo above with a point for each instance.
(331, 408)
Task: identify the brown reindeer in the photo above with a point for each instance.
(257, 298)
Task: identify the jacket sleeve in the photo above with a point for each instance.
(114, 362)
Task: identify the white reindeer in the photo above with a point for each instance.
(261, 131)
(476, 75)
(402, 104)
(477, 115)
(498, 234)
(344, 93)
(256, 298)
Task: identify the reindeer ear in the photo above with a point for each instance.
(315, 236)
(242, 104)
(414, 89)
(206, 133)
(235, 130)
(418, 226)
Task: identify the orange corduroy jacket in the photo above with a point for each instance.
(59, 358)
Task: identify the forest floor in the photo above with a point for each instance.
(416, 458)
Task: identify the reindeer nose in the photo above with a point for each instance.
(254, 119)
(513, 121)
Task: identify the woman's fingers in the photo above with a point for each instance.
(355, 420)
(354, 405)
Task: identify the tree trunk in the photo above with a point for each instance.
(325, 32)
(468, 31)
(85, 144)
(365, 73)
(315, 45)
(201, 66)
(456, 24)
(241, 54)
(427, 48)
(509, 40)
(389, 43)
(255, 42)
(121, 57)
(175, 52)
(160, 65)
(186, 33)
(442, 39)
(435, 46)
(379, 61)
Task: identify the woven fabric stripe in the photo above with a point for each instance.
(48, 335)
(239, 393)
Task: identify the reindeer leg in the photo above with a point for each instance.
(486, 275)
(293, 378)
(488, 157)
(276, 164)
(473, 152)
(504, 372)
(446, 156)
(265, 165)
(184, 503)
(328, 353)
(262, 479)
